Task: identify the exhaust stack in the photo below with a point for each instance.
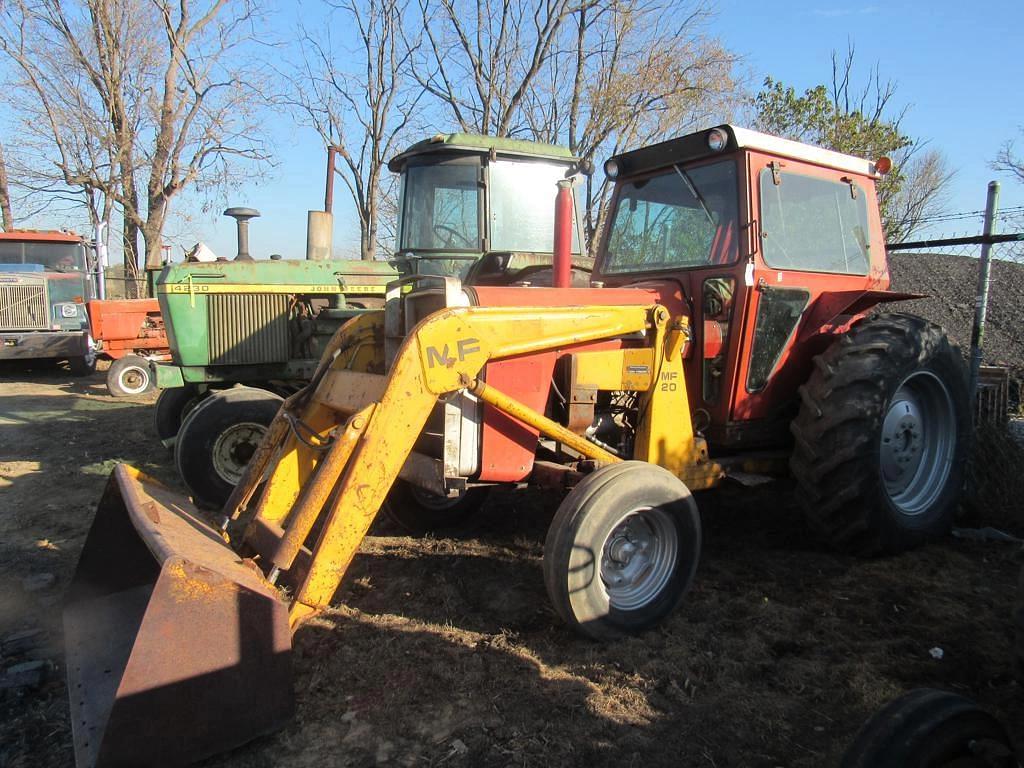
(241, 217)
(320, 224)
(563, 235)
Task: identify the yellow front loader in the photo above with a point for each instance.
(179, 632)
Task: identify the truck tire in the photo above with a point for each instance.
(128, 376)
(420, 512)
(926, 728)
(218, 438)
(881, 436)
(622, 550)
(172, 407)
(84, 365)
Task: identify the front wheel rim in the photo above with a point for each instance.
(918, 443)
(134, 380)
(639, 557)
(233, 449)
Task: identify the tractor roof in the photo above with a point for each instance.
(695, 146)
(41, 236)
(473, 143)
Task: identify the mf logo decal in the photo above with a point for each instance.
(669, 381)
(463, 348)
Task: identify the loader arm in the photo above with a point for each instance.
(364, 425)
(171, 619)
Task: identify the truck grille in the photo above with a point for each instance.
(249, 328)
(23, 308)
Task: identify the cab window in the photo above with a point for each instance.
(813, 224)
(680, 217)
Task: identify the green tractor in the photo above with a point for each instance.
(246, 333)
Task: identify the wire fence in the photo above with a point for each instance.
(947, 270)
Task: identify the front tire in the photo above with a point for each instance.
(881, 437)
(622, 550)
(218, 438)
(172, 407)
(129, 376)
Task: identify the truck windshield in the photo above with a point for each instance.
(59, 257)
(523, 206)
(441, 208)
(680, 217)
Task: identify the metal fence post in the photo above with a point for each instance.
(981, 302)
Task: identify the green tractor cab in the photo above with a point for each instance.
(480, 208)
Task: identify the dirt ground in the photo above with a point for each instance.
(445, 652)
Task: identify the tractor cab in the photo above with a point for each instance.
(775, 245)
(482, 209)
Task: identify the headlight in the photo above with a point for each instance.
(611, 168)
(69, 310)
(717, 140)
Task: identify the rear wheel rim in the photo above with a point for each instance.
(918, 443)
(638, 558)
(233, 449)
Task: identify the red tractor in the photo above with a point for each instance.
(131, 333)
(775, 250)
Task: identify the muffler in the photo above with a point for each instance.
(176, 647)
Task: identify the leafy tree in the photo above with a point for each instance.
(861, 122)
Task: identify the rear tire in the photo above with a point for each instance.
(172, 407)
(881, 437)
(218, 438)
(129, 376)
(420, 512)
(622, 550)
(931, 729)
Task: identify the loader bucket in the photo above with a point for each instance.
(176, 648)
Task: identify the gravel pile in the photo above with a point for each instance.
(951, 285)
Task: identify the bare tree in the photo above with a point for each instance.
(68, 147)
(599, 76)
(136, 99)
(5, 195)
(1009, 162)
(922, 195)
(635, 80)
(483, 57)
(365, 112)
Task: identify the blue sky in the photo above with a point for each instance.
(957, 66)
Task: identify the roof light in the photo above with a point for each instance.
(717, 140)
(611, 168)
(883, 165)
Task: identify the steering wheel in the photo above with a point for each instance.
(443, 229)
